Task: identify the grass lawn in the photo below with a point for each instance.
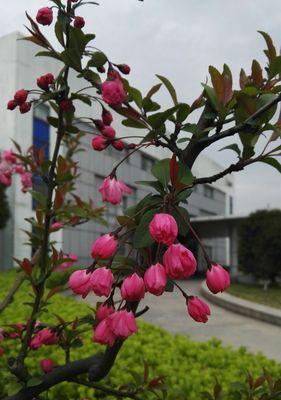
(270, 297)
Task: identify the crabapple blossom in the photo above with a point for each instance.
(179, 262)
(104, 247)
(112, 190)
(9, 156)
(25, 108)
(103, 333)
(21, 96)
(155, 279)
(133, 288)
(99, 143)
(44, 16)
(106, 117)
(113, 92)
(109, 132)
(11, 105)
(122, 323)
(45, 336)
(124, 68)
(217, 279)
(103, 311)
(118, 145)
(198, 309)
(80, 282)
(163, 228)
(101, 281)
(47, 365)
(79, 22)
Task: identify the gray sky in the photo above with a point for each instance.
(180, 39)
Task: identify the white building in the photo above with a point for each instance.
(19, 69)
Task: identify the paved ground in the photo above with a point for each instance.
(169, 312)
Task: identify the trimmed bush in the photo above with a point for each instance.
(189, 367)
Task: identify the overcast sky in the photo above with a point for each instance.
(180, 39)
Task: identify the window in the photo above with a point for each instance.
(146, 162)
(230, 205)
(41, 139)
(208, 192)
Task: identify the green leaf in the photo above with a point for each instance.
(34, 382)
(158, 119)
(59, 29)
(182, 112)
(142, 236)
(72, 59)
(50, 54)
(217, 81)
(154, 184)
(184, 175)
(153, 90)
(91, 76)
(53, 121)
(134, 124)
(271, 51)
(135, 95)
(211, 95)
(98, 60)
(161, 171)
(169, 286)
(169, 87)
(181, 216)
(85, 99)
(233, 147)
(273, 162)
(275, 67)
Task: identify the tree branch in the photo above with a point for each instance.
(10, 296)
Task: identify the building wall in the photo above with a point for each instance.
(19, 69)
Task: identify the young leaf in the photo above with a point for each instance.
(161, 171)
(233, 147)
(273, 162)
(169, 87)
(142, 236)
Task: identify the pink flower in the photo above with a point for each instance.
(198, 309)
(5, 173)
(103, 311)
(112, 190)
(57, 226)
(122, 324)
(101, 281)
(113, 92)
(21, 96)
(45, 336)
(19, 169)
(66, 105)
(99, 143)
(9, 156)
(163, 228)
(104, 247)
(118, 145)
(45, 80)
(133, 288)
(44, 16)
(106, 117)
(72, 259)
(179, 262)
(124, 68)
(79, 22)
(26, 180)
(103, 333)
(25, 108)
(218, 279)
(155, 279)
(47, 365)
(11, 105)
(80, 282)
(109, 132)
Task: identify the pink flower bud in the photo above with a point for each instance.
(45, 336)
(133, 288)
(66, 105)
(163, 228)
(80, 282)
(101, 281)
(104, 247)
(179, 262)
(103, 334)
(19, 169)
(218, 279)
(72, 259)
(112, 190)
(101, 69)
(107, 117)
(44, 16)
(124, 68)
(47, 365)
(25, 108)
(103, 311)
(44, 81)
(26, 180)
(155, 279)
(56, 226)
(113, 92)
(118, 145)
(79, 22)
(122, 323)
(198, 309)
(99, 143)
(12, 104)
(9, 156)
(20, 96)
(109, 132)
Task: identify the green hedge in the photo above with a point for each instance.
(189, 367)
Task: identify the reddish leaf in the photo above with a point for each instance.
(218, 84)
(243, 79)
(257, 73)
(271, 51)
(174, 169)
(26, 266)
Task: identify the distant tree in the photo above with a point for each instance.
(260, 244)
(4, 207)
